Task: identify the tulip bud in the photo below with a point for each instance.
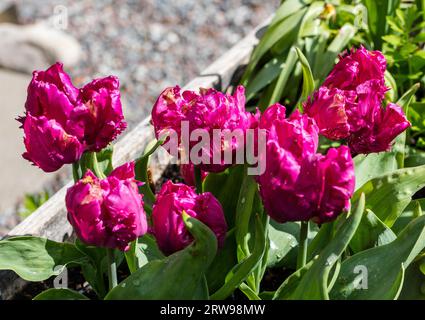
(167, 221)
(298, 183)
(109, 212)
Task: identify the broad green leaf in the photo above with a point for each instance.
(60, 294)
(371, 232)
(314, 283)
(373, 165)
(291, 283)
(142, 251)
(265, 76)
(285, 29)
(308, 80)
(325, 61)
(377, 12)
(282, 80)
(412, 211)
(322, 238)
(224, 186)
(244, 268)
(414, 158)
(224, 261)
(389, 194)
(37, 259)
(281, 242)
(288, 8)
(178, 276)
(414, 282)
(380, 268)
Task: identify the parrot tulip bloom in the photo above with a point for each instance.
(48, 136)
(209, 110)
(349, 105)
(300, 184)
(61, 121)
(100, 112)
(168, 226)
(187, 171)
(109, 212)
(356, 67)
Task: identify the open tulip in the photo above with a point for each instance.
(100, 113)
(207, 110)
(168, 226)
(50, 139)
(349, 105)
(61, 121)
(107, 212)
(300, 184)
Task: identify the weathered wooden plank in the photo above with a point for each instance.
(50, 219)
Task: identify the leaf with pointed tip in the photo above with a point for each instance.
(380, 266)
(314, 283)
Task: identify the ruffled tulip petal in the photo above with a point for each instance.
(48, 146)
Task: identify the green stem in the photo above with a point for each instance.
(112, 269)
(303, 244)
(95, 166)
(198, 179)
(75, 168)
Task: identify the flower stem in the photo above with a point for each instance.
(95, 166)
(198, 179)
(302, 247)
(112, 269)
(75, 168)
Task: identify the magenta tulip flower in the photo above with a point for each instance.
(100, 113)
(167, 222)
(349, 105)
(300, 184)
(49, 139)
(207, 110)
(107, 212)
(61, 121)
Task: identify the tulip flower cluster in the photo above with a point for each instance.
(349, 105)
(66, 125)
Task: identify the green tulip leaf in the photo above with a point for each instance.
(314, 283)
(37, 259)
(371, 232)
(377, 273)
(389, 194)
(60, 294)
(178, 276)
(141, 251)
(244, 268)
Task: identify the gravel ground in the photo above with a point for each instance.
(150, 44)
